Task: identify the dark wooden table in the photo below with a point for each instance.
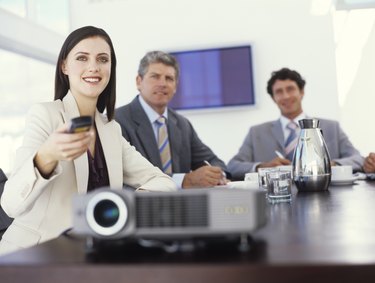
(319, 237)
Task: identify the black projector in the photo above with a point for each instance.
(117, 214)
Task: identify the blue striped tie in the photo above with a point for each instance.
(164, 148)
(291, 141)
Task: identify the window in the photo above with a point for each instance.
(53, 15)
(28, 65)
(25, 82)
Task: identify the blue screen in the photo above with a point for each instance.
(214, 78)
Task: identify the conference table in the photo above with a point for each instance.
(319, 237)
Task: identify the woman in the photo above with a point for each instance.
(52, 164)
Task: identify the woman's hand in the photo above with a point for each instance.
(61, 145)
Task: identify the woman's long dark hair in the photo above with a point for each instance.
(107, 98)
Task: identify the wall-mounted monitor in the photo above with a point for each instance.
(216, 77)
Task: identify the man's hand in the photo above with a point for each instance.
(369, 164)
(278, 161)
(205, 176)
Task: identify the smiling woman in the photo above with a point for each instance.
(53, 164)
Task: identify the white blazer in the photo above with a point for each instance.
(42, 208)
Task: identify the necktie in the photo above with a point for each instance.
(291, 141)
(164, 148)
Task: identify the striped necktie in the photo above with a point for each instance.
(163, 144)
(291, 141)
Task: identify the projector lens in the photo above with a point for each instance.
(106, 213)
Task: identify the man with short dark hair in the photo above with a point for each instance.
(164, 137)
(271, 144)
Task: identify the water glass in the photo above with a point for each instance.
(279, 186)
(262, 176)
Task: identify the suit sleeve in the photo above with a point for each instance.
(26, 184)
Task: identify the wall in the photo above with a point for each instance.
(356, 71)
(282, 33)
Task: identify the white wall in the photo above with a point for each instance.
(355, 55)
(283, 33)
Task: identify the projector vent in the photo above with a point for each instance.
(172, 211)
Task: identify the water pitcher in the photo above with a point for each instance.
(311, 161)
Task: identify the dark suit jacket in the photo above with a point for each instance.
(262, 141)
(188, 152)
(5, 220)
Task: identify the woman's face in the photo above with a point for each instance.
(88, 66)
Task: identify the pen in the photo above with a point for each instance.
(209, 164)
(206, 162)
(279, 154)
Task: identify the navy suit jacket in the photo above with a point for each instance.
(5, 220)
(188, 152)
(263, 139)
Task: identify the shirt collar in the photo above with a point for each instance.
(284, 120)
(152, 115)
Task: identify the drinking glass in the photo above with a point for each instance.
(262, 176)
(279, 186)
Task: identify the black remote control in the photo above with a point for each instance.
(80, 124)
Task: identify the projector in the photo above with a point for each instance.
(121, 213)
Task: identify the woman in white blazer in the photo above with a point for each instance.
(52, 165)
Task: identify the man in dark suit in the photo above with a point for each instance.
(5, 220)
(286, 88)
(193, 164)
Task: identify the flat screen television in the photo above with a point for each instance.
(216, 77)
